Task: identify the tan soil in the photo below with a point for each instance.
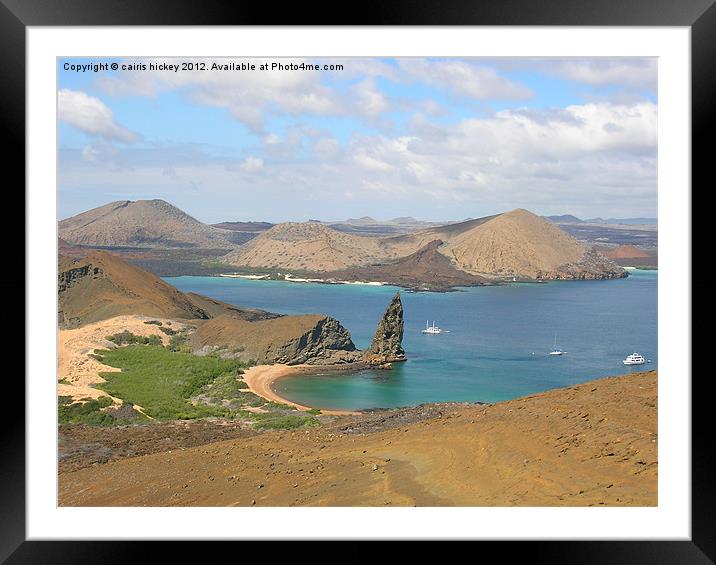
(75, 346)
(591, 444)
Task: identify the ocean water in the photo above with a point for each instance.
(498, 341)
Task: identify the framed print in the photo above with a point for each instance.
(427, 277)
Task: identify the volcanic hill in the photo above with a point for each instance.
(306, 246)
(516, 243)
(142, 223)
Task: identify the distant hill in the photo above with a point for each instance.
(569, 219)
(564, 219)
(307, 246)
(626, 252)
(623, 221)
(516, 243)
(141, 223)
(256, 227)
(513, 243)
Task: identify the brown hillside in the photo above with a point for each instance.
(102, 285)
(306, 246)
(625, 252)
(141, 223)
(426, 268)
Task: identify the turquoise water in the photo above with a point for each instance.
(498, 343)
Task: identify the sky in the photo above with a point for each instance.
(434, 138)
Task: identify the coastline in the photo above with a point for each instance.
(260, 378)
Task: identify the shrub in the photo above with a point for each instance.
(84, 412)
(162, 381)
(289, 422)
(179, 342)
(128, 338)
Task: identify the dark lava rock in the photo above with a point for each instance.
(386, 346)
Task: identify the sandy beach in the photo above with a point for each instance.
(261, 377)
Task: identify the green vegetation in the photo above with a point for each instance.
(86, 412)
(154, 322)
(128, 338)
(314, 411)
(179, 343)
(271, 421)
(250, 399)
(162, 381)
(279, 405)
(170, 383)
(168, 331)
(224, 387)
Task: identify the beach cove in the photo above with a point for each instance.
(496, 349)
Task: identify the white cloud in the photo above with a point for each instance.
(247, 95)
(92, 116)
(252, 164)
(624, 71)
(464, 78)
(369, 100)
(591, 159)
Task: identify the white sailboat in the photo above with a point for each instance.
(431, 329)
(556, 350)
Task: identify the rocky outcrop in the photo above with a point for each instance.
(592, 266)
(310, 339)
(386, 347)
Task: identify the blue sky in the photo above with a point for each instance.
(438, 139)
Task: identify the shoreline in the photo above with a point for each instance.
(259, 379)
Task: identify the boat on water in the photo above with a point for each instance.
(634, 359)
(431, 329)
(556, 350)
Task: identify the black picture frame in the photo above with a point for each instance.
(699, 15)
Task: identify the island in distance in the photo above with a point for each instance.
(512, 246)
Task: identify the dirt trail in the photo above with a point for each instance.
(592, 444)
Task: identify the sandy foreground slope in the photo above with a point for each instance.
(591, 444)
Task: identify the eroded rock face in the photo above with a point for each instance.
(311, 339)
(386, 346)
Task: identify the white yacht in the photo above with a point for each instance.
(634, 359)
(556, 350)
(431, 329)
